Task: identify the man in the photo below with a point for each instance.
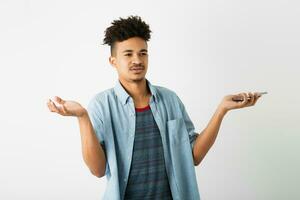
(137, 134)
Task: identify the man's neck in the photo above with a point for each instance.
(138, 90)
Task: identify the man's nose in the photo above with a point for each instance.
(136, 59)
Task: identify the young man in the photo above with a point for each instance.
(137, 134)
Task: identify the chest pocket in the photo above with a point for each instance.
(177, 131)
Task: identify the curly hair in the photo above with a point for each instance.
(123, 29)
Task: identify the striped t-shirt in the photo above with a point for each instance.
(147, 178)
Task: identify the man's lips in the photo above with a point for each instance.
(137, 68)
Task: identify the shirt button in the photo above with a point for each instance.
(124, 179)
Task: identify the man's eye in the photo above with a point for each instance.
(128, 54)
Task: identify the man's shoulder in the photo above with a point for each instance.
(101, 96)
(161, 90)
(165, 93)
(105, 93)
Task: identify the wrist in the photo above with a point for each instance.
(83, 114)
(222, 111)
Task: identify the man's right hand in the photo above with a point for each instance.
(66, 108)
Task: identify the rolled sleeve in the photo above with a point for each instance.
(95, 116)
(188, 123)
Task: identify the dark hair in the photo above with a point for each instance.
(123, 29)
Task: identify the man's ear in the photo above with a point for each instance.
(112, 61)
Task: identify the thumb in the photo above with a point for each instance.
(59, 100)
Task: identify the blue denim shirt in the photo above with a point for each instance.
(112, 115)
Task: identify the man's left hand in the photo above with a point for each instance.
(229, 104)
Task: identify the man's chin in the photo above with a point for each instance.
(138, 79)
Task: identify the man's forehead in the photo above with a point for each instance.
(133, 44)
(132, 50)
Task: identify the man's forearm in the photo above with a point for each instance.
(208, 136)
(92, 151)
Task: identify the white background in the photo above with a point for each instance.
(203, 50)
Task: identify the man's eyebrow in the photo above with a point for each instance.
(127, 51)
(130, 51)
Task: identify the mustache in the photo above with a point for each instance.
(137, 67)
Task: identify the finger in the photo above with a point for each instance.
(55, 108)
(251, 95)
(49, 106)
(52, 106)
(59, 100)
(64, 109)
(257, 96)
(249, 99)
(245, 101)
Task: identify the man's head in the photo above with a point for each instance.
(127, 39)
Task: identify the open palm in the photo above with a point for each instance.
(66, 107)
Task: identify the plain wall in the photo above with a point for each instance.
(202, 50)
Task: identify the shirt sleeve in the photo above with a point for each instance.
(96, 118)
(188, 123)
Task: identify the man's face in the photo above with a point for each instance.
(130, 58)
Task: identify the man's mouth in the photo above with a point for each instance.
(137, 69)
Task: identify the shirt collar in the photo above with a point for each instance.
(123, 95)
